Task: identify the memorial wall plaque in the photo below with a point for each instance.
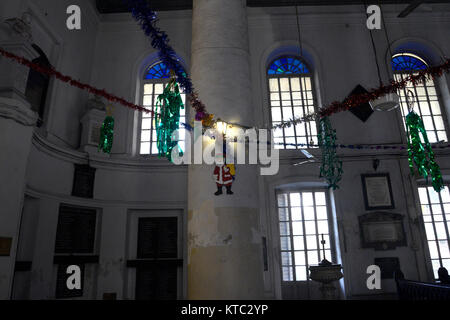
(5, 246)
(377, 191)
(388, 266)
(382, 230)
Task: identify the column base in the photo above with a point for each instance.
(225, 255)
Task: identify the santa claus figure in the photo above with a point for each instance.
(224, 176)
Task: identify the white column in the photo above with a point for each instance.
(16, 128)
(112, 252)
(42, 269)
(224, 243)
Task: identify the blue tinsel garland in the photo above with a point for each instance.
(146, 17)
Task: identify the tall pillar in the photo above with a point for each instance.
(224, 242)
(16, 128)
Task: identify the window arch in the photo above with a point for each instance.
(157, 71)
(427, 99)
(303, 215)
(37, 85)
(408, 62)
(289, 65)
(156, 78)
(436, 219)
(291, 95)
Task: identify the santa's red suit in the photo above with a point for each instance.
(222, 175)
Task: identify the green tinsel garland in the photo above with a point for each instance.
(106, 135)
(331, 167)
(420, 152)
(167, 118)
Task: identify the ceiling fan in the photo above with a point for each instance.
(310, 158)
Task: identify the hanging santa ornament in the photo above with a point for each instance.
(331, 168)
(107, 131)
(167, 117)
(224, 174)
(420, 152)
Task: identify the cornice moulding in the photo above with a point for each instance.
(102, 203)
(17, 111)
(126, 164)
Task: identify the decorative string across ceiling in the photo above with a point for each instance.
(279, 67)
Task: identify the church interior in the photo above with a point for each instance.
(105, 196)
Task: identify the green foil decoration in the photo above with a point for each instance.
(106, 135)
(167, 118)
(420, 152)
(331, 168)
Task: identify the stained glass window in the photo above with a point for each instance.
(407, 62)
(291, 93)
(436, 217)
(303, 220)
(155, 81)
(427, 103)
(287, 65)
(158, 71)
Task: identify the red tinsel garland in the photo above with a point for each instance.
(201, 113)
(198, 106)
(75, 83)
(357, 100)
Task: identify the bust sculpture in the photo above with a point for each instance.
(21, 26)
(96, 103)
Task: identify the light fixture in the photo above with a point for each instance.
(387, 102)
(222, 127)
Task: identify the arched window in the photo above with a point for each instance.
(303, 219)
(155, 79)
(292, 95)
(37, 85)
(427, 100)
(436, 218)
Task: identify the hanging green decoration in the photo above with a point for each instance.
(167, 118)
(107, 132)
(419, 148)
(331, 168)
(420, 152)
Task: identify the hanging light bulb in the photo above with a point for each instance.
(387, 102)
(222, 127)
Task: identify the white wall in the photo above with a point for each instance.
(122, 51)
(337, 45)
(109, 53)
(70, 52)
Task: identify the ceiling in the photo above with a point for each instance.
(117, 6)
